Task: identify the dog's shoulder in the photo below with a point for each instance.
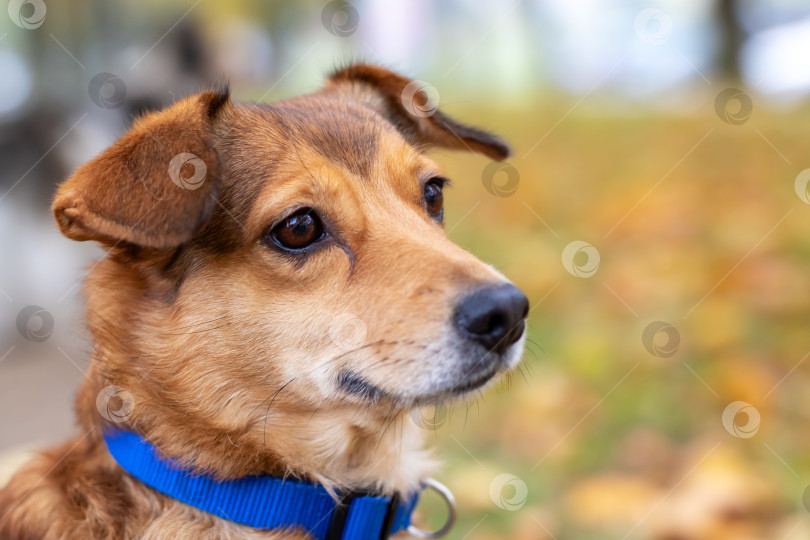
(71, 491)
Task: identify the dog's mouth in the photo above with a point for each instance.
(475, 381)
(485, 369)
(482, 372)
(355, 384)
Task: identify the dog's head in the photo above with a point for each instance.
(290, 254)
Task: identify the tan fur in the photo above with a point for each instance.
(226, 346)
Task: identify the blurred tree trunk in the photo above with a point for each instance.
(731, 39)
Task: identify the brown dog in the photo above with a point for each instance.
(278, 290)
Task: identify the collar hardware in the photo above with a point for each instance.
(337, 523)
(390, 516)
(447, 495)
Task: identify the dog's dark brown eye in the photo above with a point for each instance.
(299, 230)
(434, 198)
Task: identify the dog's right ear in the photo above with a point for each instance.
(155, 186)
(407, 105)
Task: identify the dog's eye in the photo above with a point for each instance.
(299, 230)
(434, 198)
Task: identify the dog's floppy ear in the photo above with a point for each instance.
(408, 105)
(155, 186)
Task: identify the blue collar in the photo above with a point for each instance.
(264, 502)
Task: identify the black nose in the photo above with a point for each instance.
(493, 317)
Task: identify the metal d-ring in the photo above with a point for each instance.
(447, 495)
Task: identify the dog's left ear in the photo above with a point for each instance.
(155, 186)
(407, 105)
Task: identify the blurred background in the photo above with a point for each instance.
(655, 211)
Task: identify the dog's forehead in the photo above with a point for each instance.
(342, 131)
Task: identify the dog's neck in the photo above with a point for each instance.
(340, 449)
